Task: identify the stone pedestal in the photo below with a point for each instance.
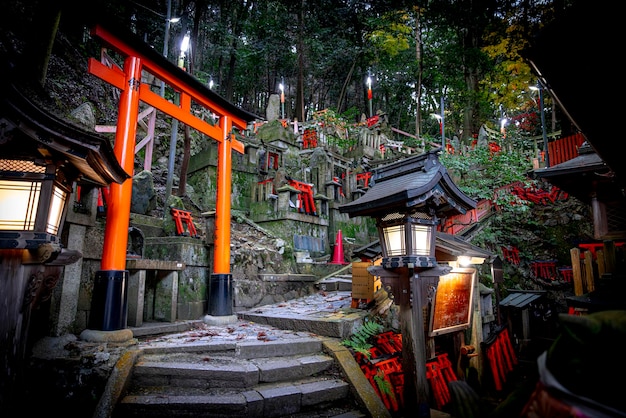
(159, 301)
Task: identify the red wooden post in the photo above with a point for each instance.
(118, 209)
(109, 299)
(220, 285)
(221, 259)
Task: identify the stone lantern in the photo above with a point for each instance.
(407, 198)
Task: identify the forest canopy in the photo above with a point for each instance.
(436, 65)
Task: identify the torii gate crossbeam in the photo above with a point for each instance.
(109, 297)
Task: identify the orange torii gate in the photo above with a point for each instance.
(109, 305)
(306, 203)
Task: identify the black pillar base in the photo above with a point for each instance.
(220, 295)
(109, 302)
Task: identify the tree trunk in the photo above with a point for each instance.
(344, 88)
(471, 75)
(41, 41)
(300, 111)
(418, 89)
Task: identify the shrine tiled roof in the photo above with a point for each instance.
(415, 183)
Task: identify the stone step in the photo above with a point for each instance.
(336, 319)
(279, 399)
(335, 283)
(209, 371)
(285, 346)
(292, 377)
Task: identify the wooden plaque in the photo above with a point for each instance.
(452, 308)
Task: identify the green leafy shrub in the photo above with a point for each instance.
(359, 341)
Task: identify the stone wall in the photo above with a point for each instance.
(193, 280)
(264, 269)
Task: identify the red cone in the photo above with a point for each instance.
(338, 252)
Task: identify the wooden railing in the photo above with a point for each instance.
(458, 223)
(564, 149)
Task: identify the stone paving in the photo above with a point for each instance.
(286, 321)
(323, 313)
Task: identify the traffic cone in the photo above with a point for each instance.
(101, 210)
(338, 252)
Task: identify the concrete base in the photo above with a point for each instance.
(220, 320)
(118, 336)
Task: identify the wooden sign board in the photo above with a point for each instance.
(452, 308)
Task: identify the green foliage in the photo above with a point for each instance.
(383, 384)
(359, 341)
(338, 131)
(468, 53)
(351, 114)
(478, 172)
(418, 142)
(391, 34)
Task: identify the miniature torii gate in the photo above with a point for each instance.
(109, 290)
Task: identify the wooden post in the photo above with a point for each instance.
(118, 210)
(576, 272)
(609, 257)
(601, 262)
(417, 344)
(221, 245)
(589, 287)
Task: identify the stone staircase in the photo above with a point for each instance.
(283, 378)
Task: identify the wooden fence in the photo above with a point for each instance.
(591, 264)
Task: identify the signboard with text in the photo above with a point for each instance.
(452, 308)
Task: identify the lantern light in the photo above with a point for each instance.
(184, 45)
(464, 260)
(281, 87)
(408, 236)
(33, 197)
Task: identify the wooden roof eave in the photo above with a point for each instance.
(550, 57)
(457, 246)
(90, 154)
(405, 190)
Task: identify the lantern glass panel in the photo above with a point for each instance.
(394, 240)
(57, 206)
(18, 204)
(421, 239)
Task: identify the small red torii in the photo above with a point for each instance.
(309, 138)
(180, 216)
(305, 197)
(365, 177)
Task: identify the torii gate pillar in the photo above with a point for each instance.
(109, 307)
(109, 299)
(220, 283)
